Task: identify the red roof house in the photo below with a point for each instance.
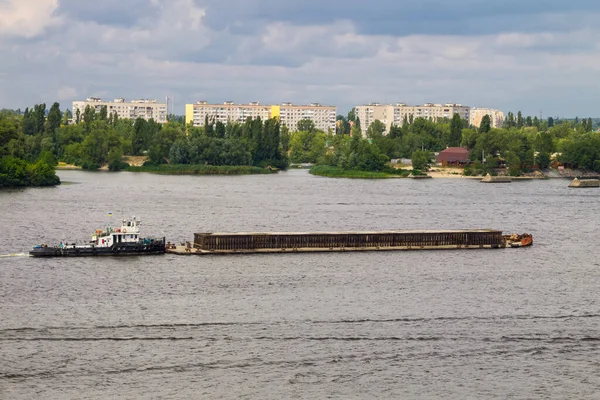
(453, 156)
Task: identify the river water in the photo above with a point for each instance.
(510, 323)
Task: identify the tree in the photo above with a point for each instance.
(376, 129)
(352, 115)
(528, 121)
(28, 125)
(550, 122)
(284, 137)
(510, 120)
(456, 126)
(89, 115)
(140, 132)
(103, 114)
(486, 124)
(396, 132)
(54, 119)
(39, 118)
(420, 160)
(306, 125)
(67, 116)
(519, 120)
(220, 129)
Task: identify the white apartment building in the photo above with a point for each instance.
(288, 113)
(142, 108)
(228, 111)
(324, 117)
(496, 117)
(386, 113)
(396, 114)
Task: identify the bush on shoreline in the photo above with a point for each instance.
(15, 172)
(336, 172)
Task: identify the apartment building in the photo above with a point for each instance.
(496, 117)
(142, 108)
(288, 113)
(385, 113)
(396, 114)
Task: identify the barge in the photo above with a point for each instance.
(293, 242)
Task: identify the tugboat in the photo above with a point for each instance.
(516, 240)
(111, 241)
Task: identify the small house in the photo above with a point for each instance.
(453, 156)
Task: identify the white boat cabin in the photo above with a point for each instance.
(128, 232)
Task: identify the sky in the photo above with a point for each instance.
(537, 56)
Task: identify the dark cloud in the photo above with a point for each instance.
(507, 54)
(395, 17)
(108, 12)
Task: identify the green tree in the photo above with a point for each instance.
(54, 119)
(103, 114)
(456, 127)
(375, 130)
(285, 140)
(396, 132)
(519, 120)
(306, 125)
(420, 160)
(486, 124)
(352, 115)
(67, 116)
(510, 120)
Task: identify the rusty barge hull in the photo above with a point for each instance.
(291, 242)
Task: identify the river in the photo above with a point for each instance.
(494, 324)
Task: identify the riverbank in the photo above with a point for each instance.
(64, 166)
(184, 169)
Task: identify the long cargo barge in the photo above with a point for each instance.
(283, 242)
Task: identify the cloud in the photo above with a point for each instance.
(27, 18)
(345, 53)
(66, 93)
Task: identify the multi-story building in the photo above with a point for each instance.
(322, 116)
(143, 108)
(375, 111)
(397, 114)
(496, 117)
(288, 113)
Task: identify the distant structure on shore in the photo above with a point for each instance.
(496, 117)
(324, 117)
(396, 114)
(141, 108)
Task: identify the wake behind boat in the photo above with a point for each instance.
(111, 241)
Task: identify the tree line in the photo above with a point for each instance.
(33, 141)
(521, 144)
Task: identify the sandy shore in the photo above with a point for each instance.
(454, 173)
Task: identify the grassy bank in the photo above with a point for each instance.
(335, 172)
(183, 169)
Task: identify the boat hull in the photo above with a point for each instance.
(133, 249)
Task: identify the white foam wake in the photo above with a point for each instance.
(14, 255)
